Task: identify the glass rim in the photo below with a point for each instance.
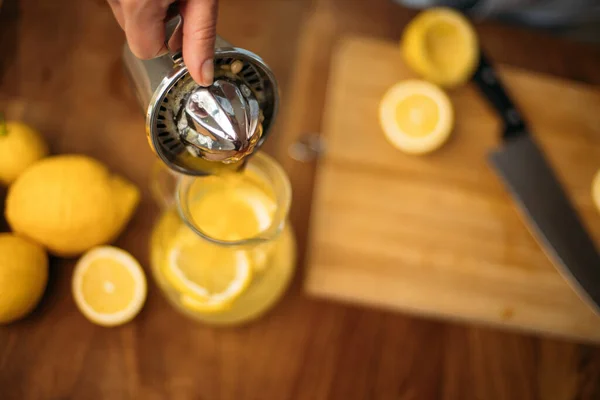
(275, 173)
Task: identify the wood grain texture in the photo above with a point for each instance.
(64, 76)
(438, 234)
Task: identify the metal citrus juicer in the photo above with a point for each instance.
(198, 130)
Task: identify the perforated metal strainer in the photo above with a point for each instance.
(201, 130)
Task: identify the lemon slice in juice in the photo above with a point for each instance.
(240, 209)
(211, 276)
(109, 286)
(441, 45)
(416, 116)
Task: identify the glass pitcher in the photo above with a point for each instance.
(222, 250)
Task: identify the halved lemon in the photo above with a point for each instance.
(596, 190)
(209, 276)
(441, 45)
(109, 286)
(416, 116)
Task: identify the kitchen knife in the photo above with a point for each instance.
(540, 198)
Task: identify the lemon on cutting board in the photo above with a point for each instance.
(23, 276)
(70, 204)
(416, 116)
(109, 286)
(20, 146)
(441, 45)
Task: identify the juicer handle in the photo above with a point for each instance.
(174, 31)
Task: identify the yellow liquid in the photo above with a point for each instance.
(271, 272)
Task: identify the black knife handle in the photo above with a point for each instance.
(490, 85)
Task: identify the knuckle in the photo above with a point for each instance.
(129, 5)
(146, 53)
(145, 50)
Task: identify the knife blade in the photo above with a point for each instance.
(539, 195)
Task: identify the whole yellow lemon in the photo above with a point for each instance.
(70, 204)
(20, 146)
(23, 276)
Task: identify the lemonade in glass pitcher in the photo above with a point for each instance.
(222, 250)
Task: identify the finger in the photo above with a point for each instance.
(145, 27)
(115, 5)
(199, 33)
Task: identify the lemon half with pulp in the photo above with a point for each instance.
(416, 116)
(109, 286)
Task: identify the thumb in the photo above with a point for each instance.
(199, 33)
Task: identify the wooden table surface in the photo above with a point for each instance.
(60, 71)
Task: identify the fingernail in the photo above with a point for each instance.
(208, 72)
(163, 51)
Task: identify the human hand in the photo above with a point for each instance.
(144, 24)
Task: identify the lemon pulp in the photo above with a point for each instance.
(215, 283)
(417, 115)
(107, 287)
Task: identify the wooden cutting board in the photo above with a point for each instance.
(438, 235)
